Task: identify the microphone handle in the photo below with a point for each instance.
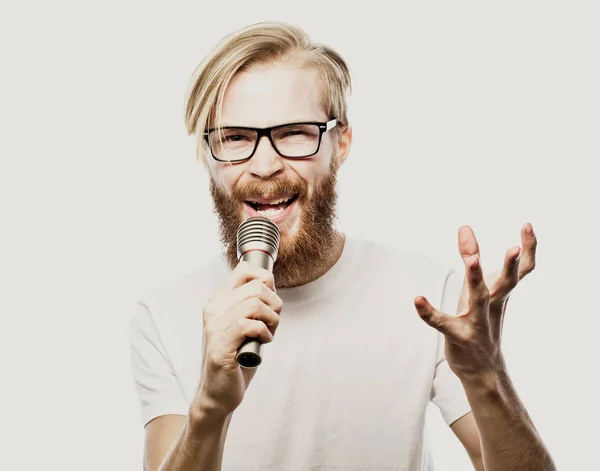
(249, 355)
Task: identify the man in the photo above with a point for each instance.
(346, 382)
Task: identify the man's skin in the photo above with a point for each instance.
(497, 434)
(509, 440)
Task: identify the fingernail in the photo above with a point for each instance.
(530, 230)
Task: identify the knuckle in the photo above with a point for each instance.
(484, 298)
(277, 304)
(474, 265)
(259, 328)
(266, 333)
(256, 286)
(440, 322)
(254, 304)
(255, 329)
(481, 302)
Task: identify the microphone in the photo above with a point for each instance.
(257, 243)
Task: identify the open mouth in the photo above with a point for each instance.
(271, 207)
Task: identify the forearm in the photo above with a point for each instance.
(200, 445)
(509, 440)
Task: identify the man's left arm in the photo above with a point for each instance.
(507, 435)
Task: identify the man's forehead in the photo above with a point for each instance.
(267, 95)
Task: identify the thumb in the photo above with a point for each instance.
(434, 318)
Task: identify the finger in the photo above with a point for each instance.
(436, 319)
(509, 277)
(467, 243)
(463, 300)
(254, 308)
(256, 289)
(501, 290)
(529, 243)
(478, 291)
(249, 328)
(245, 272)
(467, 247)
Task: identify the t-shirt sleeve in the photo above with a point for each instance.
(447, 392)
(158, 389)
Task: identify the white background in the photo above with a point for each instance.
(463, 113)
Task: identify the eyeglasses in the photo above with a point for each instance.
(293, 141)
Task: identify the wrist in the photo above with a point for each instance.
(206, 418)
(488, 384)
(484, 382)
(488, 377)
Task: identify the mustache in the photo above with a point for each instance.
(271, 187)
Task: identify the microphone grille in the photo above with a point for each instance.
(258, 233)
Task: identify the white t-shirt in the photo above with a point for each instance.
(346, 382)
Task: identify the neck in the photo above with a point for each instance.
(318, 265)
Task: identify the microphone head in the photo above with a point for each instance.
(258, 233)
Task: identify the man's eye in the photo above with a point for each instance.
(235, 138)
(296, 133)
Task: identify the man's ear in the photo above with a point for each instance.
(344, 145)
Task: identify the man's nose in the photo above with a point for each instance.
(265, 162)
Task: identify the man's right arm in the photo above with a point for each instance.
(179, 443)
(245, 306)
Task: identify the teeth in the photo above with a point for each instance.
(271, 212)
(282, 200)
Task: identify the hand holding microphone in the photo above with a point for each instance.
(258, 244)
(240, 316)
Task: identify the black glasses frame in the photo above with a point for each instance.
(260, 132)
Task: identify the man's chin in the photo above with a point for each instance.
(306, 226)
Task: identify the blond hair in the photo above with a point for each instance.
(261, 43)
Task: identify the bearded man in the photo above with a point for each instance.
(346, 381)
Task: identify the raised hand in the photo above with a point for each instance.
(473, 336)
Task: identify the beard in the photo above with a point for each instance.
(301, 254)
